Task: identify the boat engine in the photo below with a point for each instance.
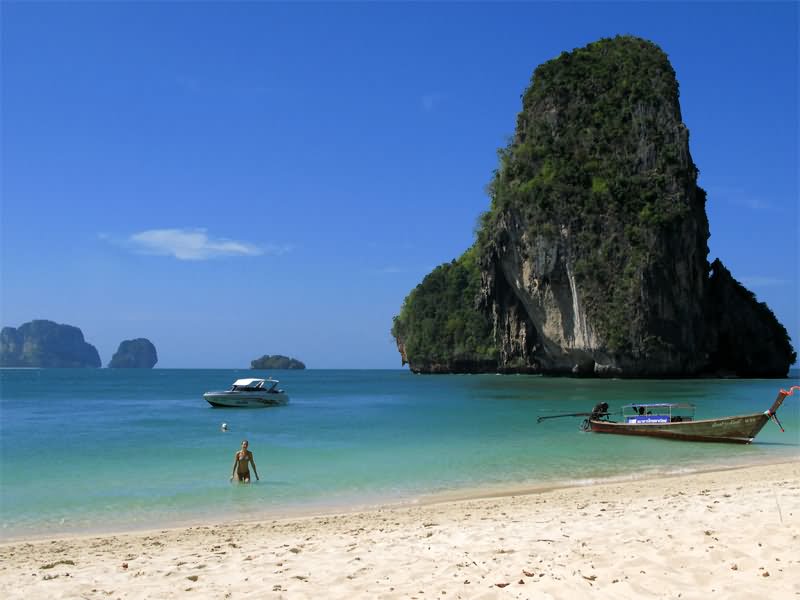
(601, 410)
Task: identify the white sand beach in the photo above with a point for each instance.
(725, 534)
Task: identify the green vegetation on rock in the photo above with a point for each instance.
(276, 362)
(439, 324)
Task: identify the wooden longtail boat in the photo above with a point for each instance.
(676, 421)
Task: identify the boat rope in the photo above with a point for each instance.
(778, 401)
(774, 417)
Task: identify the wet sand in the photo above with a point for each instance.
(725, 534)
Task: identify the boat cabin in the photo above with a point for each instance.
(658, 413)
(254, 385)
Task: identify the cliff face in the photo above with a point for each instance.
(592, 259)
(594, 252)
(747, 339)
(43, 343)
(134, 354)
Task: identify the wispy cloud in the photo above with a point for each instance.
(191, 244)
(756, 282)
(739, 197)
(752, 202)
(430, 101)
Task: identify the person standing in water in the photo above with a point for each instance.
(241, 460)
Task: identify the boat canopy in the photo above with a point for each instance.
(662, 405)
(248, 382)
(659, 412)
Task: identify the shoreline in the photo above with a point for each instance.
(729, 532)
(317, 510)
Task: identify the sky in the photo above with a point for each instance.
(236, 179)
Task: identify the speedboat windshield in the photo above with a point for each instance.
(251, 385)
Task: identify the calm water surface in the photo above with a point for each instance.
(103, 450)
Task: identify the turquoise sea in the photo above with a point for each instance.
(87, 451)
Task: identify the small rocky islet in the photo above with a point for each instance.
(46, 344)
(276, 361)
(139, 353)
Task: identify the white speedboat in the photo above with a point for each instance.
(249, 393)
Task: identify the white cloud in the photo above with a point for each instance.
(192, 244)
(754, 282)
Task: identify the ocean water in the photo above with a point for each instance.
(85, 450)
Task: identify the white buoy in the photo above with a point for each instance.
(224, 427)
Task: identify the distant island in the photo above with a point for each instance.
(46, 344)
(134, 354)
(276, 361)
(592, 257)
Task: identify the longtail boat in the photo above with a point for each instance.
(676, 421)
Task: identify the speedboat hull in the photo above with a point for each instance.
(245, 399)
(736, 430)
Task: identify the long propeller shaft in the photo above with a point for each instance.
(581, 414)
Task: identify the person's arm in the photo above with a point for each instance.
(252, 462)
(235, 462)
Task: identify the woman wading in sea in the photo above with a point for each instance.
(240, 464)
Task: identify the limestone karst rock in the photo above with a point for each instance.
(134, 354)
(592, 258)
(42, 343)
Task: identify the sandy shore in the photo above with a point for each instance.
(727, 534)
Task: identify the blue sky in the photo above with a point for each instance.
(238, 179)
